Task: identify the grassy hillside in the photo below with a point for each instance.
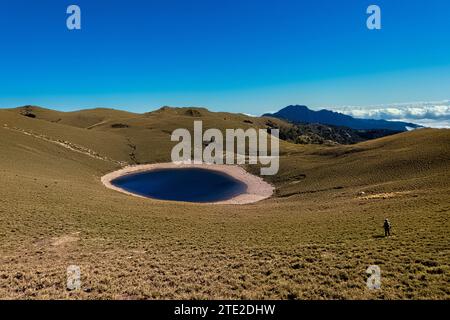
(313, 240)
(82, 119)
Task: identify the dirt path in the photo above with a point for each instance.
(66, 144)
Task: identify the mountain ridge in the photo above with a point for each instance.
(302, 114)
(103, 118)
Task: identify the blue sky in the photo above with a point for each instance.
(231, 55)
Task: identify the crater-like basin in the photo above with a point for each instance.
(204, 183)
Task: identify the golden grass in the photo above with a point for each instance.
(313, 240)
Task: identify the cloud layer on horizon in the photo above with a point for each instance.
(428, 114)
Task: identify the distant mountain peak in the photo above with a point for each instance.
(297, 106)
(302, 114)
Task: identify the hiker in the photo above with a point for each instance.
(387, 228)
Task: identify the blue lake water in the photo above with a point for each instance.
(184, 184)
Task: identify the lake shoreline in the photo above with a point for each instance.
(257, 188)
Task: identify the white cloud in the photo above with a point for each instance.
(429, 114)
